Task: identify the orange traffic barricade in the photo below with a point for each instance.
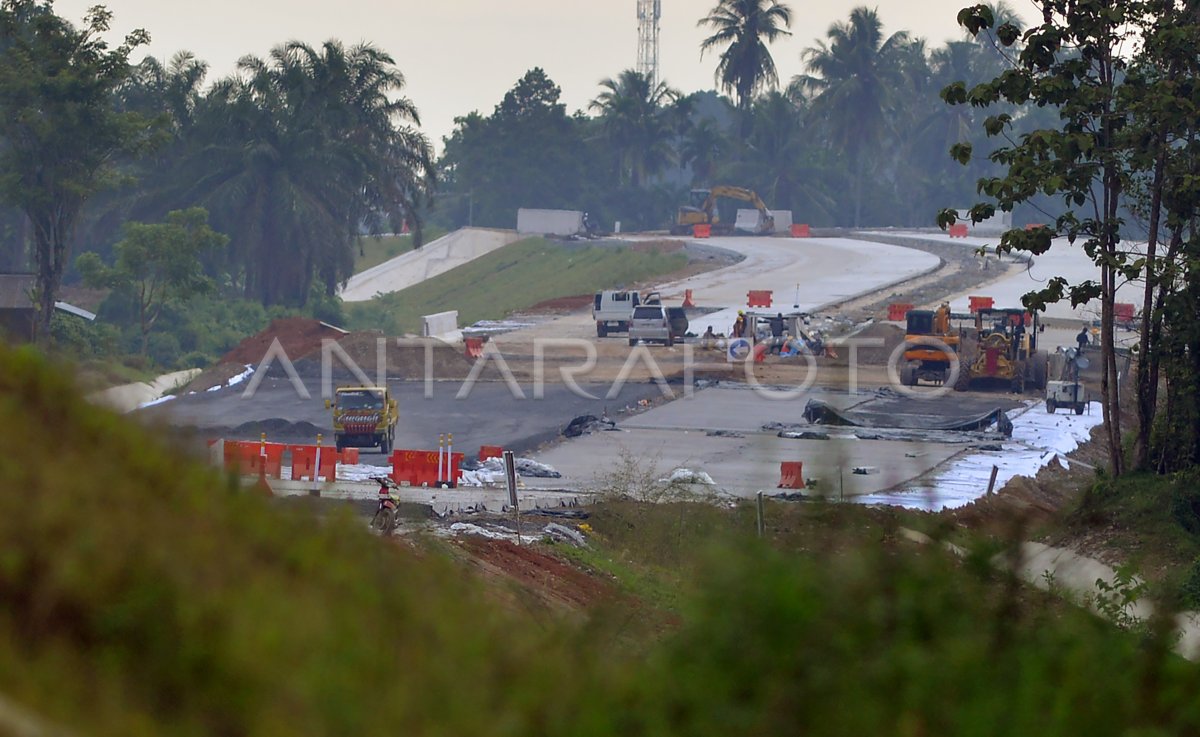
(490, 451)
(759, 298)
(701, 231)
(800, 230)
(898, 311)
(474, 347)
(981, 303)
(791, 475)
(958, 230)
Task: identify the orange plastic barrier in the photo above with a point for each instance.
(304, 461)
(898, 311)
(958, 230)
(490, 451)
(474, 347)
(271, 456)
(1124, 311)
(1027, 319)
(242, 457)
(759, 298)
(254, 458)
(791, 475)
(1034, 226)
(701, 231)
(800, 230)
(349, 456)
(420, 467)
(981, 303)
(760, 352)
(687, 298)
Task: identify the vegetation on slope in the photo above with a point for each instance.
(142, 594)
(512, 278)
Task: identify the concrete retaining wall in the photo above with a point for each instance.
(450, 251)
(438, 324)
(549, 222)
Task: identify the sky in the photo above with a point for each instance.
(460, 56)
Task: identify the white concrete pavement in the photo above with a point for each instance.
(445, 253)
(743, 458)
(1063, 259)
(804, 274)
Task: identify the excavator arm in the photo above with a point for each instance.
(766, 220)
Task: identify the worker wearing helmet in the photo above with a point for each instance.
(739, 325)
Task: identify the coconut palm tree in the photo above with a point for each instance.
(857, 80)
(744, 28)
(638, 121)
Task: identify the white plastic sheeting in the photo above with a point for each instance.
(1038, 439)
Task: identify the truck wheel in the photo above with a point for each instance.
(339, 444)
(670, 340)
(1051, 405)
(601, 330)
(908, 375)
(1078, 409)
(633, 341)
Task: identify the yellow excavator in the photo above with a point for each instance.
(702, 210)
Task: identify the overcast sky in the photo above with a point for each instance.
(463, 55)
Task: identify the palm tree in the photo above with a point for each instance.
(295, 153)
(857, 80)
(637, 120)
(744, 28)
(704, 145)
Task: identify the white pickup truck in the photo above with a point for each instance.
(612, 311)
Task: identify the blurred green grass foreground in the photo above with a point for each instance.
(141, 593)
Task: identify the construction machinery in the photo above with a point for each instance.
(1068, 392)
(930, 346)
(364, 417)
(1004, 349)
(702, 210)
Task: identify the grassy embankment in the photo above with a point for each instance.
(143, 595)
(1150, 522)
(509, 279)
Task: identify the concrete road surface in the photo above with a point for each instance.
(432, 259)
(827, 270)
(803, 273)
(745, 458)
(490, 415)
(1063, 259)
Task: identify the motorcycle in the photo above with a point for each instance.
(384, 520)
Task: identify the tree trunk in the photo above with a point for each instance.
(51, 235)
(1147, 382)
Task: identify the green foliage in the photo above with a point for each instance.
(152, 597)
(1154, 519)
(527, 153)
(517, 276)
(58, 125)
(157, 264)
(744, 28)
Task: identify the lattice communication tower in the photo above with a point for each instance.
(649, 14)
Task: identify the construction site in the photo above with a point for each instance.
(879, 367)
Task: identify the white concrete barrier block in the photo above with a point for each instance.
(439, 324)
(549, 222)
